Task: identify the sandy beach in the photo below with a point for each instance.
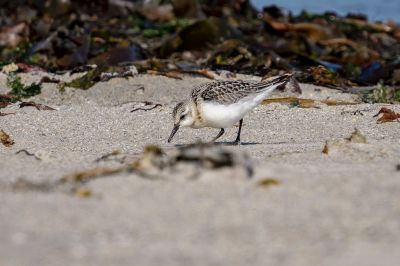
(301, 206)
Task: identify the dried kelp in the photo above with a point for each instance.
(326, 49)
(387, 116)
(268, 182)
(305, 103)
(102, 73)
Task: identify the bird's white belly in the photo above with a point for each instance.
(222, 116)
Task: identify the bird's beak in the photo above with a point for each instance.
(174, 130)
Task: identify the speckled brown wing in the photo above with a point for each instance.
(199, 89)
(228, 92)
(231, 91)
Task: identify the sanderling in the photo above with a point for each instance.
(221, 104)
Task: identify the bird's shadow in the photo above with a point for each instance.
(222, 143)
(229, 143)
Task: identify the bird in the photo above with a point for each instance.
(221, 104)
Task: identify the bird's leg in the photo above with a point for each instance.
(221, 132)
(237, 140)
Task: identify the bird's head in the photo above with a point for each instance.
(183, 115)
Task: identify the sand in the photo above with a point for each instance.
(340, 208)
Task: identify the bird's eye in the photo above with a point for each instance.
(182, 117)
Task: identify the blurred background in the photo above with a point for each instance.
(374, 9)
(337, 43)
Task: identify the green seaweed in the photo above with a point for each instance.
(382, 94)
(19, 90)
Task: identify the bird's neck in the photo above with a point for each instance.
(197, 114)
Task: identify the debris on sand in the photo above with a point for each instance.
(186, 162)
(5, 114)
(346, 144)
(38, 106)
(387, 116)
(40, 155)
(195, 157)
(268, 182)
(6, 139)
(115, 155)
(144, 106)
(357, 137)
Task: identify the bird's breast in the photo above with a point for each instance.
(222, 116)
